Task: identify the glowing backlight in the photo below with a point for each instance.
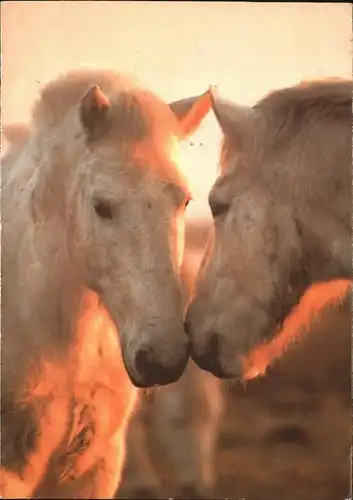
(315, 300)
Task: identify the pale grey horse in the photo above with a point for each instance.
(282, 218)
(92, 239)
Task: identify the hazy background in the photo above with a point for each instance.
(247, 49)
(177, 49)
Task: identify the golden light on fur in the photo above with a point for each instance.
(197, 113)
(101, 384)
(312, 304)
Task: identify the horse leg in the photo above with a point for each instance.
(140, 479)
(100, 480)
(189, 437)
(208, 421)
(107, 473)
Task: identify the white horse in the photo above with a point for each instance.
(282, 216)
(92, 237)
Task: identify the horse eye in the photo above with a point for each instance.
(218, 208)
(103, 209)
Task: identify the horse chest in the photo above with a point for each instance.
(103, 395)
(81, 408)
(99, 417)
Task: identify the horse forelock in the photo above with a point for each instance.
(59, 95)
(143, 128)
(136, 112)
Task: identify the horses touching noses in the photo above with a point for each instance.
(151, 371)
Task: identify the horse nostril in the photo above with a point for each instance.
(143, 362)
(209, 358)
(153, 372)
(187, 327)
(213, 348)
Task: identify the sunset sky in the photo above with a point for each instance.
(177, 49)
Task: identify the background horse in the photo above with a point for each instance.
(93, 210)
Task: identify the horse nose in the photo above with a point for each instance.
(209, 358)
(187, 327)
(151, 371)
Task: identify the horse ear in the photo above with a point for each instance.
(232, 118)
(17, 134)
(95, 112)
(192, 111)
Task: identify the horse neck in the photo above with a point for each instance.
(328, 246)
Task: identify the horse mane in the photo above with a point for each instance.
(288, 110)
(136, 111)
(59, 95)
